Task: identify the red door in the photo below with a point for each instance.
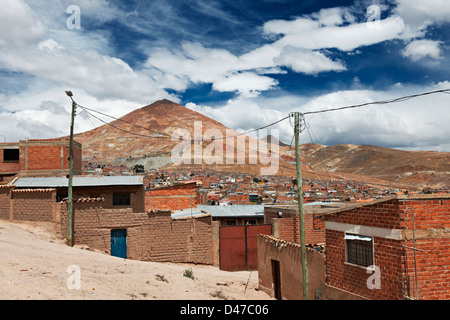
(238, 246)
(232, 248)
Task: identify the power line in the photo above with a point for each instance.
(380, 102)
(118, 119)
(166, 136)
(123, 130)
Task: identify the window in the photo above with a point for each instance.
(10, 155)
(121, 199)
(231, 222)
(249, 222)
(359, 250)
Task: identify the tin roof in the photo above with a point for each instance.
(234, 211)
(81, 181)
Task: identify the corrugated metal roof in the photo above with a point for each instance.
(88, 181)
(223, 211)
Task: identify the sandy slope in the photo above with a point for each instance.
(34, 263)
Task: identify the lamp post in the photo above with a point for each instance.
(69, 196)
(297, 130)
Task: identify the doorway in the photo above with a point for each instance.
(119, 243)
(276, 279)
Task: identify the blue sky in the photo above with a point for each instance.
(243, 63)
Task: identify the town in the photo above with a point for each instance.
(238, 222)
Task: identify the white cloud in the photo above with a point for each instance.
(422, 13)
(246, 83)
(406, 125)
(419, 49)
(344, 38)
(306, 61)
(19, 25)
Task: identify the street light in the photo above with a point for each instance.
(70, 223)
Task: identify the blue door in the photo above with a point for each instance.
(119, 243)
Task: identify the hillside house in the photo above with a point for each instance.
(397, 238)
(117, 191)
(390, 249)
(45, 157)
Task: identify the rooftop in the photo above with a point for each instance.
(82, 181)
(234, 211)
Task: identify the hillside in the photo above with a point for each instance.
(416, 168)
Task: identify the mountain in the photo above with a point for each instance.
(271, 139)
(144, 137)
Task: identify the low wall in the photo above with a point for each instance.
(33, 205)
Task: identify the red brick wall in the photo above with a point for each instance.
(388, 255)
(8, 166)
(396, 262)
(432, 223)
(173, 198)
(289, 226)
(49, 155)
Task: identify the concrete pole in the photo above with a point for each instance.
(70, 223)
(300, 205)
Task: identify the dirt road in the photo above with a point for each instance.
(36, 264)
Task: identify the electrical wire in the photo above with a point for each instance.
(118, 119)
(166, 136)
(380, 102)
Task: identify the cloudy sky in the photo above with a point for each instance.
(243, 63)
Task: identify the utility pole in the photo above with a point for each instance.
(70, 223)
(300, 205)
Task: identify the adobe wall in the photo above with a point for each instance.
(5, 202)
(107, 193)
(289, 256)
(150, 236)
(33, 205)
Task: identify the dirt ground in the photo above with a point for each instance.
(37, 265)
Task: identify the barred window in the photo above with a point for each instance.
(359, 250)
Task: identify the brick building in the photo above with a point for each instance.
(117, 191)
(285, 221)
(174, 197)
(374, 250)
(106, 204)
(383, 234)
(49, 157)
